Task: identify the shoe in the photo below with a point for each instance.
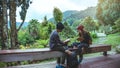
(60, 66)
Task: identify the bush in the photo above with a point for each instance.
(117, 49)
(2, 64)
(94, 35)
(40, 44)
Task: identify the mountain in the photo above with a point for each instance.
(73, 15)
(18, 24)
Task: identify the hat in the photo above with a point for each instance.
(80, 27)
(60, 26)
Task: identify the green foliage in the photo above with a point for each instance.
(117, 24)
(24, 6)
(2, 64)
(58, 16)
(89, 24)
(33, 28)
(113, 39)
(93, 35)
(108, 11)
(25, 38)
(51, 26)
(117, 49)
(105, 29)
(75, 24)
(22, 47)
(44, 33)
(67, 31)
(45, 22)
(40, 43)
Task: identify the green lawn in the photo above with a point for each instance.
(113, 39)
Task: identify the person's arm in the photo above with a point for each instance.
(57, 39)
(90, 38)
(80, 38)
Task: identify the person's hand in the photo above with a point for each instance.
(68, 52)
(80, 39)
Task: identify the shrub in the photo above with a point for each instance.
(94, 35)
(117, 49)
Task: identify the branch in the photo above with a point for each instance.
(20, 25)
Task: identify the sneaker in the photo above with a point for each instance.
(60, 66)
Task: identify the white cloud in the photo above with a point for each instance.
(39, 8)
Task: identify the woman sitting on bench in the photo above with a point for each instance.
(85, 40)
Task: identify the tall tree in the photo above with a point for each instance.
(10, 5)
(108, 11)
(58, 15)
(45, 22)
(13, 31)
(3, 25)
(33, 28)
(89, 24)
(68, 31)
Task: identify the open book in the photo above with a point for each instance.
(67, 40)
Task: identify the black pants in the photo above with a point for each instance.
(79, 50)
(60, 60)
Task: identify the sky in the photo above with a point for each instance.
(40, 8)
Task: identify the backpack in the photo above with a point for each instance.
(72, 61)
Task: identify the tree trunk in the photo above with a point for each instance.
(1, 27)
(5, 25)
(13, 31)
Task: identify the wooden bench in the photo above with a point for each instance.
(41, 54)
(99, 48)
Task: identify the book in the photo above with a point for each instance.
(67, 40)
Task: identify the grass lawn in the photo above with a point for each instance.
(113, 39)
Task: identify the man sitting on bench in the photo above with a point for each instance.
(56, 44)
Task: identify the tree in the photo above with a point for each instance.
(33, 28)
(11, 5)
(108, 11)
(117, 25)
(45, 22)
(58, 15)
(89, 23)
(3, 25)
(67, 31)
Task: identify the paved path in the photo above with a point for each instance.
(110, 61)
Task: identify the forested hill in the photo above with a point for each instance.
(73, 15)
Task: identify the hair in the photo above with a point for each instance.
(80, 27)
(60, 26)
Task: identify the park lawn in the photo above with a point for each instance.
(113, 39)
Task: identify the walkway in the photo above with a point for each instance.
(111, 61)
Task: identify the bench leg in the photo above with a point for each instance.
(105, 53)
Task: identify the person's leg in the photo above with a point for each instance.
(60, 60)
(80, 50)
(59, 48)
